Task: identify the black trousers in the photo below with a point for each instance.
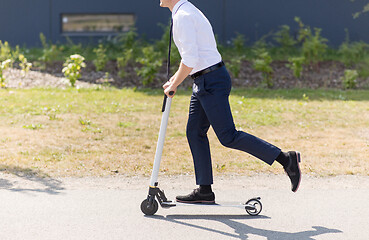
(210, 106)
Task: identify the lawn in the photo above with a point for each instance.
(103, 132)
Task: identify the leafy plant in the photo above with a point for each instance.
(123, 61)
(352, 53)
(313, 45)
(5, 51)
(349, 79)
(151, 63)
(284, 39)
(262, 64)
(296, 65)
(3, 66)
(363, 68)
(101, 57)
(24, 64)
(234, 65)
(238, 43)
(73, 67)
(49, 52)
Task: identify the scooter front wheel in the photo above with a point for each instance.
(149, 209)
(253, 207)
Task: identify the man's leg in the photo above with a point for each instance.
(197, 128)
(217, 86)
(216, 106)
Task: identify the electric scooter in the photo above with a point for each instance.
(150, 205)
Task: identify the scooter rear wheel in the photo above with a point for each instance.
(256, 207)
(149, 209)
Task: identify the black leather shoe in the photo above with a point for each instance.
(293, 170)
(197, 197)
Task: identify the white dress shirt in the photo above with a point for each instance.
(194, 37)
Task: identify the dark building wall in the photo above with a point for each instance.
(21, 21)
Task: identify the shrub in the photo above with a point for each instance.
(238, 43)
(296, 65)
(262, 64)
(313, 45)
(234, 65)
(24, 64)
(284, 39)
(123, 61)
(151, 63)
(49, 52)
(349, 79)
(4, 65)
(363, 68)
(5, 51)
(72, 68)
(352, 53)
(101, 57)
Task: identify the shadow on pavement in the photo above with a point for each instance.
(242, 230)
(36, 181)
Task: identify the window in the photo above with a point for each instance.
(96, 24)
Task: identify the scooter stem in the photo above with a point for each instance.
(160, 144)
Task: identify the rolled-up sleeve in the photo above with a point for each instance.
(186, 36)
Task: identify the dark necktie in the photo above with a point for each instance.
(170, 47)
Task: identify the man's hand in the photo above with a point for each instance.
(169, 88)
(176, 79)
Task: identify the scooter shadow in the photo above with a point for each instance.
(242, 230)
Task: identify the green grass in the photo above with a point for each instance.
(104, 131)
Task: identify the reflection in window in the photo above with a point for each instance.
(97, 23)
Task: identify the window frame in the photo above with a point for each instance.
(93, 33)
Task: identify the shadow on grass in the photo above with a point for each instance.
(241, 230)
(288, 94)
(35, 180)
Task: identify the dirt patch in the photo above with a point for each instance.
(324, 75)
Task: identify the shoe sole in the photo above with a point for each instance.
(298, 155)
(197, 202)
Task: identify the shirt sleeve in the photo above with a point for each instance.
(188, 48)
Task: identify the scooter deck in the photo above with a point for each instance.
(216, 204)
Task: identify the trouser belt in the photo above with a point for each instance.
(207, 70)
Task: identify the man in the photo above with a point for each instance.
(194, 38)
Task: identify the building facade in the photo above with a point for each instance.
(22, 21)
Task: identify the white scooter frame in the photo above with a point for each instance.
(149, 206)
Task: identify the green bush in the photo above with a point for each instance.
(262, 64)
(3, 66)
(296, 65)
(24, 64)
(50, 53)
(234, 65)
(5, 51)
(123, 61)
(238, 43)
(363, 68)
(284, 39)
(101, 57)
(151, 63)
(353, 53)
(73, 67)
(350, 79)
(313, 45)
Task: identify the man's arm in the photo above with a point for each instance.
(181, 74)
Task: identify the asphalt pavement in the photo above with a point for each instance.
(109, 208)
